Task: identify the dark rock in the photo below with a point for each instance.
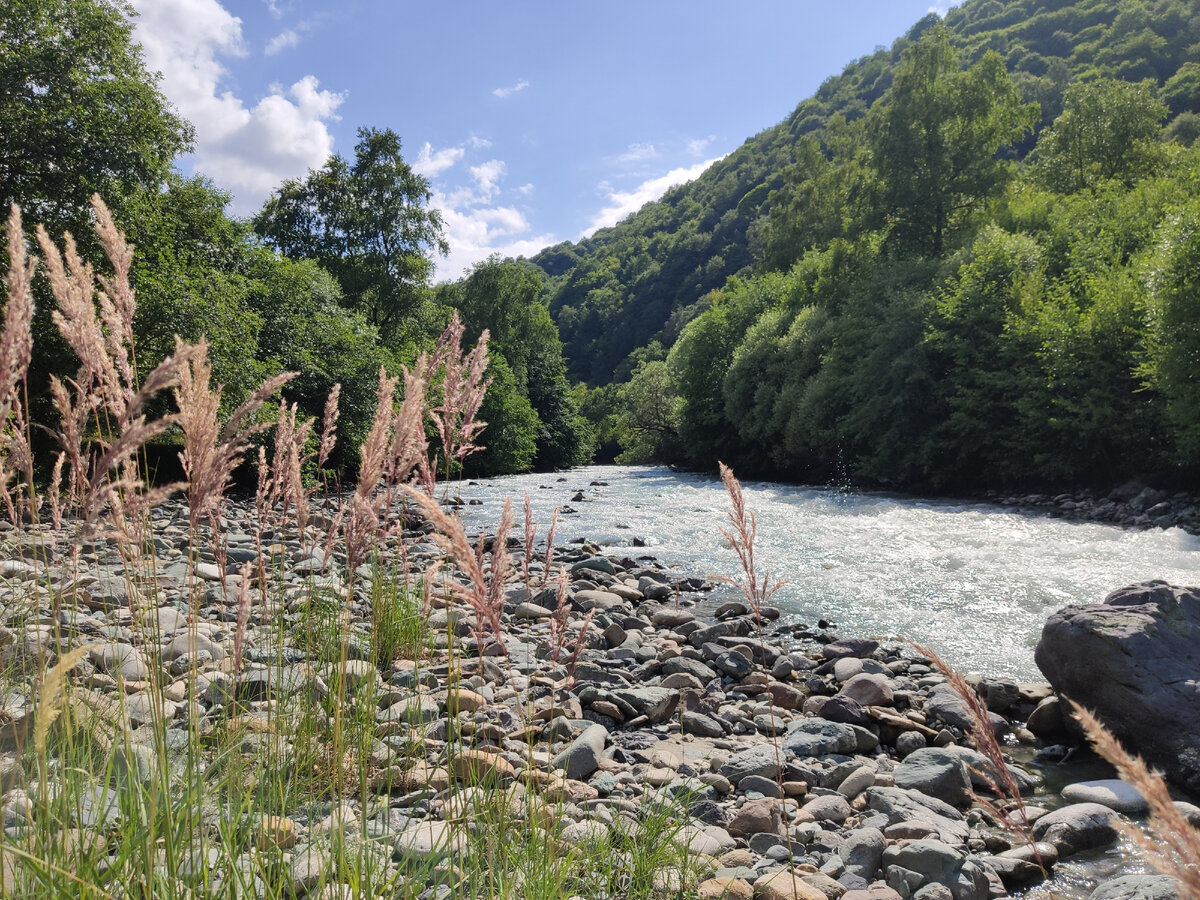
(1133, 661)
(820, 737)
(856, 647)
(844, 709)
(936, 772)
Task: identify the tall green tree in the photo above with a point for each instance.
(79, 113)
(366, 221)
(935, 136)
(1108, 129)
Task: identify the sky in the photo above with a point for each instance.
(534, 122)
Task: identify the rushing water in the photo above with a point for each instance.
(973, 581)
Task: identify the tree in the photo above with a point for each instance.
(1108, 129)
(367, 222)
(79, 114)
(935, 138)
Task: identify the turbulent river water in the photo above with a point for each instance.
(973, 581)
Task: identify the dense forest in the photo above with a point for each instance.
(969, 260)
(330, 279)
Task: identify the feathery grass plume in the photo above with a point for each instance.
(55, 490)
(50, 696)
(558, 622)
(550, 547)
(358, 521)
(463, 389)
(741, 539)
(485, 591)
(1000, 780)
(288, 467)
(530, 536)
(329, 426)
(1175, 848)
(211, 452)
(16, 351)
(243, 614)
(409, 448)
(105, 390)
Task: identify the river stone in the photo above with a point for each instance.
(1133, 661)
(857, 782)
(820, 737)
(1081, 826)
(581, 758)
(785, 885)
(869, 690)
(1111, 792)
(595, 564)
(687, 666)
(863, 852)
(858, 647)
(601, 601)
(430, 841)
(120, 661)
(944, 703)
(756, 817)
(846, 668)
(1137, 887)
(901, 806)
(655, 703)
(701, 725)
(940, 864)
(829, 808)
(936, 772)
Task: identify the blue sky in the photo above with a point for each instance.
(534, 122)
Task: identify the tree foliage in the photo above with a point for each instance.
(366, 221)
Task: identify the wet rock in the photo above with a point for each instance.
(1137, 887)
(1111, 792)
(1081, 826)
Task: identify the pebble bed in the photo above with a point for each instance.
(800, 763)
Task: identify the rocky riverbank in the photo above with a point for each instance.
(793, 761)
(1131, 505)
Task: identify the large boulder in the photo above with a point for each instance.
(1133, 660)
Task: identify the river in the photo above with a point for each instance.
(972, 580)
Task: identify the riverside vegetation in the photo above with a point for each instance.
(324, 693)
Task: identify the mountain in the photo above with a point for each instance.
(644, 279)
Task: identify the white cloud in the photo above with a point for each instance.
(941, 7)
(698, 146)
(478, 143)
(622, 203)
(247, 149)
(525, 190)
(282, 41)
(488, 175)
(475, 234)
(431, 163)
(637, 153)
(503, 92)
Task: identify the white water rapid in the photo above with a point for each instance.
(973, 581)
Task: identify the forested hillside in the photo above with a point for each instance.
(968, 260)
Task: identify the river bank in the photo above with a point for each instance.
(317, 747)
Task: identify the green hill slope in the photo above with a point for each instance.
(645, 278)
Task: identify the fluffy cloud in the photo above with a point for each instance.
(431, 163)
(622, 203)
(282, 41)
(698, 146)
(503, 92)
(246, 149)
(488, 176)
(476, 233)
(476, 224)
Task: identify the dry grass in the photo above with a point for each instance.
(757, 589)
